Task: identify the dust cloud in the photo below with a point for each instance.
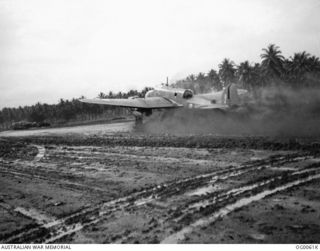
(273, 111)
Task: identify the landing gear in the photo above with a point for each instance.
(138, 117)
(139, 114)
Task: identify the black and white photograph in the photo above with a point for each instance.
(159, 122)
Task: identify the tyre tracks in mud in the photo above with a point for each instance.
(208, 204)
(237, 203)
(7, 169)
(42, 171)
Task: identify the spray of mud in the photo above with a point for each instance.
(272, 111)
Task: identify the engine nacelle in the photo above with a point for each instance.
(187, 94)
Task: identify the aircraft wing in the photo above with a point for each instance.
(145, 103)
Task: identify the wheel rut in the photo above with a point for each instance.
(193, 212)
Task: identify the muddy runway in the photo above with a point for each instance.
(96, 186)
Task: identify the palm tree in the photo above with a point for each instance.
(298, 65)
(110, 95)
(202, 84)
(214, 80)
(313, 76)
(101, 95)
(314, 63)
(201, 76)
(227, 71)
(272, 62)
(191, 78)
(244, 73)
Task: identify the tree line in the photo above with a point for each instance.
(67, 110)
(301, 70)
(298, 71)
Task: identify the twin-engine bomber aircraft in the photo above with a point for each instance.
(168, 98)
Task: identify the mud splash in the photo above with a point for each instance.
(34, 214)
(40, 154)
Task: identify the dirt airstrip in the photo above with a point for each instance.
(107, 184)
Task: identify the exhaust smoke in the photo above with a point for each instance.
(271, 111)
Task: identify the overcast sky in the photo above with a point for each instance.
(51, 49)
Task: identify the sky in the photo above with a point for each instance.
(52, 49)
